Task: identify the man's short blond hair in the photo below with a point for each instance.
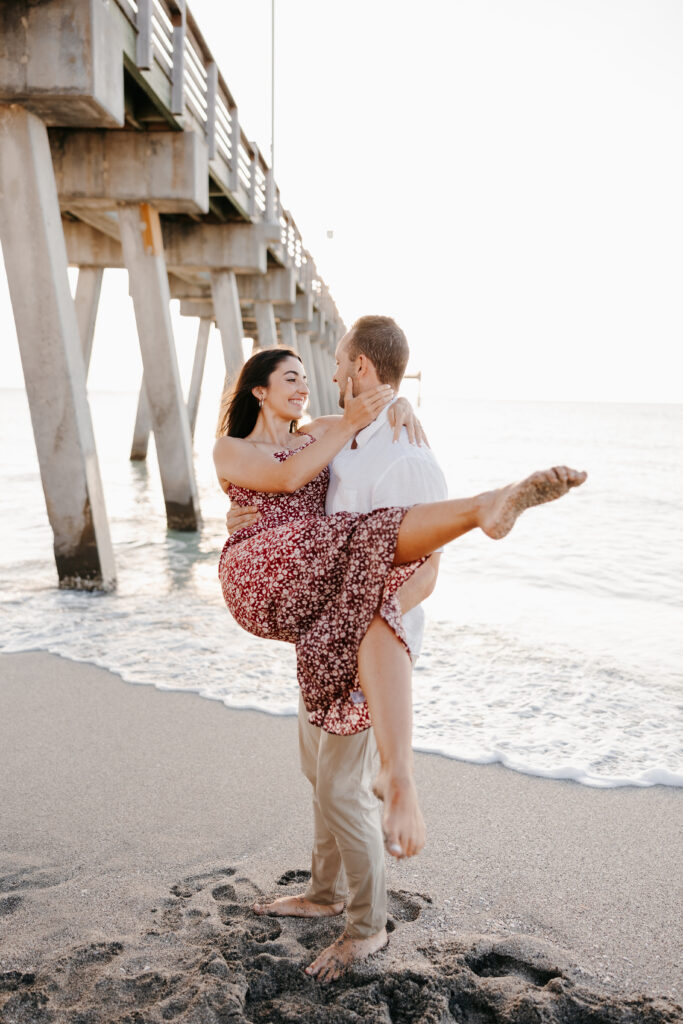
(382, 341)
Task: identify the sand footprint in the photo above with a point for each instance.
(94, 953)
(502, 965)
(235, 899)
(11, 981)
(265, 929)
(294, 877)
(224, 892)
(8, 904)
(187, 887)
(33, 878)
(404, 906)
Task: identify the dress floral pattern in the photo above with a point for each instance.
(316, 581)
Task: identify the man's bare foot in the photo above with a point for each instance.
(402, 821)
(337, 958)
(297, 906)
(502, 507)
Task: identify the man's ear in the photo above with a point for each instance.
(363, 365)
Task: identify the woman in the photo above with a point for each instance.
(328, 583)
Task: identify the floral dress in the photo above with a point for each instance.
(316, 581)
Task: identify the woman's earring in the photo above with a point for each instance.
(260, 403)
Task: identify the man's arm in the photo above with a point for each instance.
(409, 480)
(411, 476)
(400, 414)
(420, 585)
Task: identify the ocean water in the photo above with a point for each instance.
(557, 651)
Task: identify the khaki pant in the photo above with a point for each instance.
(348, 851)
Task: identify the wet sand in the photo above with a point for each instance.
(137, 826)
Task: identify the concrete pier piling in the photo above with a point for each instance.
(226, 304)
(142, 428)
(288, 336)
(143, 253)
(143, 416)
(315, 406)
(323, 375)
(50, 344)
(122, 147)
(198, 371)
(87, 301)
(265, 324)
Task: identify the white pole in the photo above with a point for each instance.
(272, 86)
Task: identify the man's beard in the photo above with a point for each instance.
(342, 392)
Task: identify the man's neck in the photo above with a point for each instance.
(371, 427)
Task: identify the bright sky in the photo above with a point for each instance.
(503, 178)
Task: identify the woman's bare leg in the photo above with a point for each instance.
(384, 672)
(383, 663)
(428, 527)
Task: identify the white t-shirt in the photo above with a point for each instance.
(377, 474)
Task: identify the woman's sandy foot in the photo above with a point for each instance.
(297, 906)
(334, 961)
(402, 821)
(502, 507)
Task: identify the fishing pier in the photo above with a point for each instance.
(121, 146)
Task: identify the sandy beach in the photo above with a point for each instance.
(139, 825)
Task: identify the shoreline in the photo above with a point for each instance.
(647, 779)
(122, 801)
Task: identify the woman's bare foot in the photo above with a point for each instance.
(402, 821)
(502, 507)
(297, 906)
(337, 958)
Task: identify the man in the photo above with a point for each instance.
(371, 472)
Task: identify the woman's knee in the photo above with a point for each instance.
(382, 655)
(378, 634)
(378, 626)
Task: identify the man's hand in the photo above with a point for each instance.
(401, 414)
(420, 585)
(240, 516)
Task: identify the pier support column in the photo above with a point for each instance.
(143, 416)
(143, 254)
(51, 353)
(304, 348)
(332, 389)
(265, 324)
(226, 304)
(142, 428)
(87, 300)
(322, 375)
(288, 335)
(330, 349)
(325, 372)
(198, 371)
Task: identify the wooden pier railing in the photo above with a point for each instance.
(166, 52)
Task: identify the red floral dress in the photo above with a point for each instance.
(316, 581)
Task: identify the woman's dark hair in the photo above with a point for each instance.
(239, 407)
